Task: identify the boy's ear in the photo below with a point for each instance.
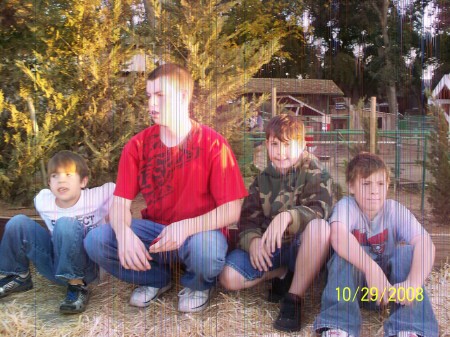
(84, 182)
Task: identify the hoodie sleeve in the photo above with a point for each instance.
(252, 217)
(314, 200)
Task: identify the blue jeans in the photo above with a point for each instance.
(58, 257)
(346, 315)
(239, 260)
(203, 254)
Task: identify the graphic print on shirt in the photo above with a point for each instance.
(86, 220)
(156, 175)
(376, 242)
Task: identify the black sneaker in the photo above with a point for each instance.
(77, 298)
(280, 287)
(289, 318)
(14, 284)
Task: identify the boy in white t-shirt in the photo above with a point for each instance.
(382, 256)
(69, 210)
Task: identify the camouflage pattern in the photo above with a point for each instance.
(304, 192)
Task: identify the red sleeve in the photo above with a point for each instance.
(127, 184)
(226, 183)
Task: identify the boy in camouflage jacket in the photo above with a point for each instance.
(281, 228)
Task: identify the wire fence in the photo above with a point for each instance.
(404, 151)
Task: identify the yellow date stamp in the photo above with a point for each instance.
(393, 294)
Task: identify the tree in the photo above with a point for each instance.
(72, 77)
(379, 36)
(439, 166)
(221, 53)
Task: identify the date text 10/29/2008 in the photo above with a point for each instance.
(372, 294)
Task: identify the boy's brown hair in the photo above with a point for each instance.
(175, 72)
(285, 128)
(67, 159)
(363, 165)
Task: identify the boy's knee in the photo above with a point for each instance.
(319, 229)
(230, 279)
(209, 246)
(17, 222)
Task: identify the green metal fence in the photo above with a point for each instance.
(405, 152)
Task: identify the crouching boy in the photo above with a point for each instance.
(382, 255)
(281, 227)
(69, 210)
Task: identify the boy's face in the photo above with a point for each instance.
(370, 193)
(166, 101)
(283, 155)
(66, 185)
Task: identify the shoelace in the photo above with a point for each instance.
(72, 293)
(71, 296)
(186, 292)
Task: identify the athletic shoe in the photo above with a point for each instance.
(289, 318)
(193, 300)
(14, 284)
(335, 333)
(144, 295)
(77, 298)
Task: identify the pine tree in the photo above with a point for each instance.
(222, 60)
(72, 77)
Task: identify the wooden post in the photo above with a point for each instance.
(373, 125)
(274, 101)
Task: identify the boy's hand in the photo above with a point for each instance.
(260, 258)
(171, 237)
(272, 237)
(132, 252)
(376, 278)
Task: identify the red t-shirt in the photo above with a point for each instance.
(179, 182)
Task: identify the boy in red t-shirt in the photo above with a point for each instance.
(192, 186)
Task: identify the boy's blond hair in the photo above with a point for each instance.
(68, 159)
(177, 73)
(285, 128)
(363, 165)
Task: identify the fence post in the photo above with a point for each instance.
(424, 167)
(373, 129)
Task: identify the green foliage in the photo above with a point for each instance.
(439, 166)
(68, 91)
(63, 85)
(221, 59)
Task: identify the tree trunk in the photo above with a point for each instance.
(389, 71)
(150, 13)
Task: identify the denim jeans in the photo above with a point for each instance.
(346, 315)
(203, 254)
(58, 257)
(239, 260)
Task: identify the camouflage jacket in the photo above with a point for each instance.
(304, 192)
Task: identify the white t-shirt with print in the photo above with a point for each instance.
(394, 223)
(90, 209)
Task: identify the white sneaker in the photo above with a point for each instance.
(407, 334)
(142, 296)
(335, 333)
(193, 300)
